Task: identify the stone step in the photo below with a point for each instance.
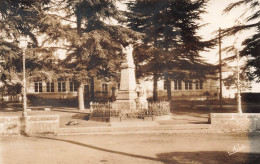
(39, 108)
(192, 131)
(134, 123)
(132, 129)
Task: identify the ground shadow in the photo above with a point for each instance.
(191, 113)
(67, 110)
(209, 157)
(11, 107)
(182, 157)
(81, 116)
(103, 149)
(198, 122)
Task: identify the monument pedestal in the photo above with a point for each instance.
(126, 106)
(127, 95)
(126, 100)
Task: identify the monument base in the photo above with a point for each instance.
(126, 106)
(125, 101)
(126, 95)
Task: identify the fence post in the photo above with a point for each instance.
(91, 107)
(109, 106)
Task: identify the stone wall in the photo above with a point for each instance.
(30, 125)
(235, 121)
(10, 125)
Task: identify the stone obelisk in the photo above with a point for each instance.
(126, 95)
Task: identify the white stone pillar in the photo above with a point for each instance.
(127, 94)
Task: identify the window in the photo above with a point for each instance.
(73, 87)
(86, 91)
(199, 84)
(61, 86)
(50, 87)
(188, 85)
(86, 88)
(177, 85)
(38, 87)
(118, 86)
(104, 88)
(165, 84)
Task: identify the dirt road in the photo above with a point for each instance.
(163, 148)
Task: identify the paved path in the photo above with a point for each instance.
(113, 149)
(81, 117)
(141, 129)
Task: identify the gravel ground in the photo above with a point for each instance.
(82, 117)
(163, 148)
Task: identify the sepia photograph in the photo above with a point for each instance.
(129, 81)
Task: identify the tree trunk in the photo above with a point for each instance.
(80, 87)
(169, 89)
(81, 97)
(92, 89)
(155, 86)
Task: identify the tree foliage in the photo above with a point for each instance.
(251, 48)
(170, 43)
(17, 19)
(93, 44)
(231, 82)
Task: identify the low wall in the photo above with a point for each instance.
(10, 125)
(235, 121)
(30, 125)
(158, 118)
(119, 119)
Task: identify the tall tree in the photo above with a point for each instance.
(20, 18)
(94, 44)
(251, 48)
(171, 40)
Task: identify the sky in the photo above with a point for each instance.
(215, 20)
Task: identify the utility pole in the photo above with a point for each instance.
(23, 44)
(24, 87)
(220, 70)
(239, 108)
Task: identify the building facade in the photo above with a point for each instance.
(107, 90)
